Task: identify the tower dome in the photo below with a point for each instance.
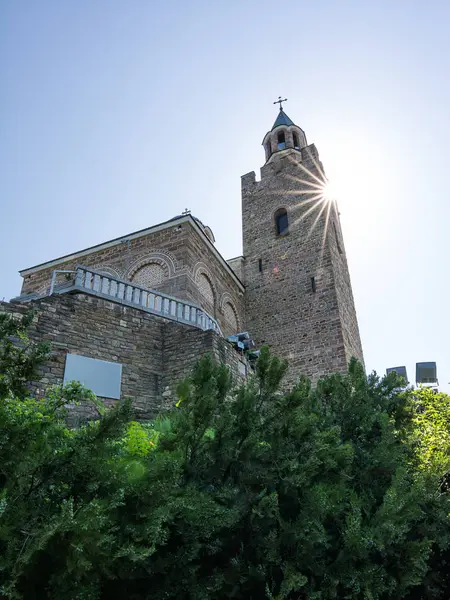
(206, 230)
(284, 135)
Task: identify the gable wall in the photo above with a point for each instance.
(178, 251)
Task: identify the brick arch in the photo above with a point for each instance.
(149, 272)
(158, 257)
(106, 270)
(229, 311)
(150, 275)
(206, 287)
(201, 276)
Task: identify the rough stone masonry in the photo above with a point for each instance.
(290, 290)
(298, 295)
(155, 354)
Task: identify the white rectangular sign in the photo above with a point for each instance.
(100, 376)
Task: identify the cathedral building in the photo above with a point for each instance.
(131, 315)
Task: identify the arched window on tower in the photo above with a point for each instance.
(281, 222)
(281, 141)
(295, 140)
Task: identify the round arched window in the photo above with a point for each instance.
(281, 140)
(230, 317)
(149, 275)
(205, 287)
(281, 222)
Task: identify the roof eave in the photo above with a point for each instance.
(103, 245)
(137, 234)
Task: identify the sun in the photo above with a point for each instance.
(319, 195)
(330, 190)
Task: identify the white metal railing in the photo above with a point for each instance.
(99, 284)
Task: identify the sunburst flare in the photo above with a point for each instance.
(320, 195)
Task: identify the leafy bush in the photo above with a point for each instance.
(334, 492)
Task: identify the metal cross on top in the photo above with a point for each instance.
(186, 211)
(279, 101)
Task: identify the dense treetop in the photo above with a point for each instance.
(333, 492)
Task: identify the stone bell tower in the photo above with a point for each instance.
(299, 298)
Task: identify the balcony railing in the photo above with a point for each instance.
(95, 283)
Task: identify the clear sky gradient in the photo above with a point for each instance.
(118, 115)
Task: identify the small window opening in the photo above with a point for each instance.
(313, 284)
(281, 141)
(295, 140)
(281, 222)
(337, 239)
(260, 265)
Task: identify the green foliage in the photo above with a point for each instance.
(137, 440)
(19, 358)
(332, 492)
(431, 431)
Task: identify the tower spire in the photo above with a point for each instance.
(284, 135)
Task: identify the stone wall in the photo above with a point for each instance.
(223, 293)
(298, 293)
(176, 258)
(184, 346)
(237, 264)
(155, 353)
(344, 293)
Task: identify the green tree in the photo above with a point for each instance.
(337, 491)
(19, 357)
(429, 441)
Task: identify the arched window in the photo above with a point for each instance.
(107, 271)
(295, 140)
(231, 317)
(281, 141)
(281, 222)
(205, 287)
(149, 275)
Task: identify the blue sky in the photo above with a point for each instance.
(118, 115)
